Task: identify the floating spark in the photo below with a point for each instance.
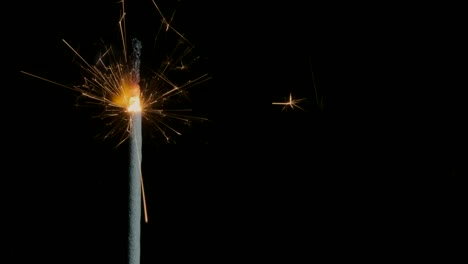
(291, 103)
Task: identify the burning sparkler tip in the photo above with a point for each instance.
(134, 104)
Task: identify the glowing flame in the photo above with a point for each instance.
(134, 104)
(127, 96)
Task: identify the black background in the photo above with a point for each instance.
(254, 182)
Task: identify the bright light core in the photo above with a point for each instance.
(134, 104)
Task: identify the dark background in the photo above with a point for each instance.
(253, 182)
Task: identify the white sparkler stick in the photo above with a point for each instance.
(134, 180)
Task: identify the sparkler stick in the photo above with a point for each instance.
(134, 179)
(134, 188)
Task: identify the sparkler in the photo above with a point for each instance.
(116, 86)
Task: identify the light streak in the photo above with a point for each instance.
(320, 104)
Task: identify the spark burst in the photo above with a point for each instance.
(108, 84)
